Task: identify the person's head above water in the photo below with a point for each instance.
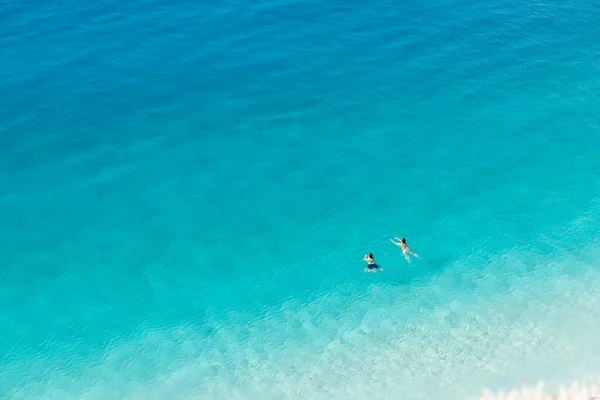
(371, 256)
(403, 240)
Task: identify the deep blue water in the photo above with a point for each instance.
(187, 192)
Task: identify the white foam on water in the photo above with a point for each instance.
(574, 391)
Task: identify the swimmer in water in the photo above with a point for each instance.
(405, 249)
(371, 266)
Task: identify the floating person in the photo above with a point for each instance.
(371, 266)
(405, 249)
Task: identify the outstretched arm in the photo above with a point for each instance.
(397, 244)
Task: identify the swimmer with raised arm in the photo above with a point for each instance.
(371, 266)
(405, 249)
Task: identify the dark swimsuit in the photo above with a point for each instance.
(373, 266)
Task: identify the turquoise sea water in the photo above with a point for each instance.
(187, 191)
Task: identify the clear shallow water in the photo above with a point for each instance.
(187, 192)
